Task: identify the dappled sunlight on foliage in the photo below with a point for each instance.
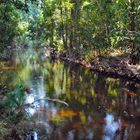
(69, 69)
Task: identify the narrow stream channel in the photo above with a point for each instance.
(68, 102)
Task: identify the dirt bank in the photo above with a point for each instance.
(116, 66)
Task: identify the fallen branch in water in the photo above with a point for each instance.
(47, 98)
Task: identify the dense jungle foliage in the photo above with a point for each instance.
(81, 26)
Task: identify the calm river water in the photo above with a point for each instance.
(69, 102)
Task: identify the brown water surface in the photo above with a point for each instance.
(71, 103)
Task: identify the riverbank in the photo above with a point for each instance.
(114, 66)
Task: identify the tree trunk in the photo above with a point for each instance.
(71, 31)
(75, 14)
(66, 31)
(62, 31)
(132, 28)
(52, 33)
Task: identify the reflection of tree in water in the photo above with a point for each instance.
(100, 85)
(73, 129)
(100, 89)
(91, 97)
(129, 98)
(128, 106)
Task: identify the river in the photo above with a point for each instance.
(68, 102)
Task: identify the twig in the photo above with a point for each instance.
(47, 98)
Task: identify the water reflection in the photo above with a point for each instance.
(36, 96)
(99, 107)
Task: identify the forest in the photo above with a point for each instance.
(82, 30)
(69, 69)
